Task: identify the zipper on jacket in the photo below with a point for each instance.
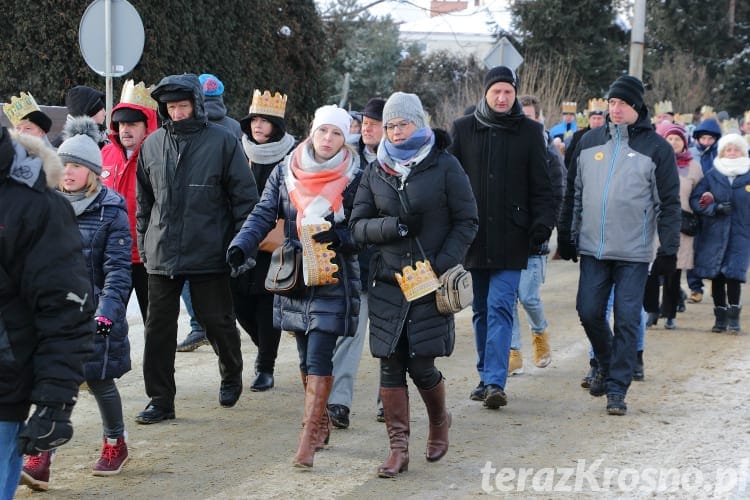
(644, 225)
(606, 192)
(106, 357)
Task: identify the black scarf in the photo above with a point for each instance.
(503, 121)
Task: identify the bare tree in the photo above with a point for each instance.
(681, 80)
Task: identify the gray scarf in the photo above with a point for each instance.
(268, 153)
(79, 200)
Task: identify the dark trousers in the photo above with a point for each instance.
(140, 285)
(725, 289)
(670, 294)
(255, 315)
(110, 406)
(616, 353)
(421, 370)
(212, 301)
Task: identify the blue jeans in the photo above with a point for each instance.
(641, 333)
(316, 353)
(528, 295)
(694, 282)
(494, 299)
(10, 461)
(615, 352)
(194, 325)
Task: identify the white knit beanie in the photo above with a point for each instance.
(406, 106)
(735, 139)
(331, 115)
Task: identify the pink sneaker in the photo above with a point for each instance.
(114, 456)
(35, 473)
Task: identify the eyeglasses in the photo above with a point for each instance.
(400, 125)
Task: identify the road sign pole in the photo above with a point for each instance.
(108, 58)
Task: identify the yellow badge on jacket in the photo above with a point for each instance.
(599, 156)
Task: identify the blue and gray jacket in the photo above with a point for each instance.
(626, 189)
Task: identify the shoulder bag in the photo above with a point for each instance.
(456, 291)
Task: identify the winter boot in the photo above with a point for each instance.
(35, 473)
(440, 421)
(515, 362)
(720, 325)
(316, 398)
(733, 318)
(396, 409)
(638, 373)
(542, 355)
(324, 434)
(114, 455)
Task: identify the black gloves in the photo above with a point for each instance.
(47, 428)
(413, 223)
(328, 236)
(566, 248)
(237, 262)
(664, 265)
(539, 234)
(723, 208)
(103, 326)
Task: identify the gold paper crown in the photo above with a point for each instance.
(19, 107)
(747, 116)
(139, 95)
(417, 281)
(597, 106)
(319, 268)
(569, 107)
(582, 120)
(707, 112)
(265, 104)
(731, 126)
(683, 118)
(663, 107)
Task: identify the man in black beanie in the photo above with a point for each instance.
(504, 154)
(623, 187)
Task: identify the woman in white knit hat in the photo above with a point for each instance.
(414, 203)
(314, 184)
(722, 247)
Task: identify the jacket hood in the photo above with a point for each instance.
(186, 82)
(708, 126)
(35, 147)
(108, 197)
(215, 107)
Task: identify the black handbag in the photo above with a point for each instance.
(284, 275)
(690, 223)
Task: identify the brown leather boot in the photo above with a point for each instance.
(440, 421)
(324, 434)
(316, 398)
(396, 410)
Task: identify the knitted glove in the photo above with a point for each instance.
(413, 223)
(539, 234)
(238, 264)
(103, 326)
(723, 208)
(664, 265)
(328, 236)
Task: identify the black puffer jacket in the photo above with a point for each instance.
(439, 190)
(194, 190)
(332, 309)
(46, 309)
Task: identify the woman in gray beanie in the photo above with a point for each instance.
(414, 203)
(105, 236)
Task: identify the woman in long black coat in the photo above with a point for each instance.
(414, 202)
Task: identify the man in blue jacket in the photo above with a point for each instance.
(626, 189)
(194, 192)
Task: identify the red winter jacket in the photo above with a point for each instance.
(118, 172)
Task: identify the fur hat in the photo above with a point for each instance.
(629, 89)
(735, 139)
(403, 105)
(84, 101)
(331, 115)
(211, 85)
(500, 74)
(80, 145)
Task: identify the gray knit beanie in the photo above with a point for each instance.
(81, 147)
(406, 106)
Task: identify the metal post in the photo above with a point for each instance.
(108, 57)
(637, 39)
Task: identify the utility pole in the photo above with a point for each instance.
(637, 39)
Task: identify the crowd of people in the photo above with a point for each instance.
(343, 235)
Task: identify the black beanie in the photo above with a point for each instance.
(629, 89)
(500, 74)
(84, 101)
(40, 119)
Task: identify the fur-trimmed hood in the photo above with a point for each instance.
(36, 147)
